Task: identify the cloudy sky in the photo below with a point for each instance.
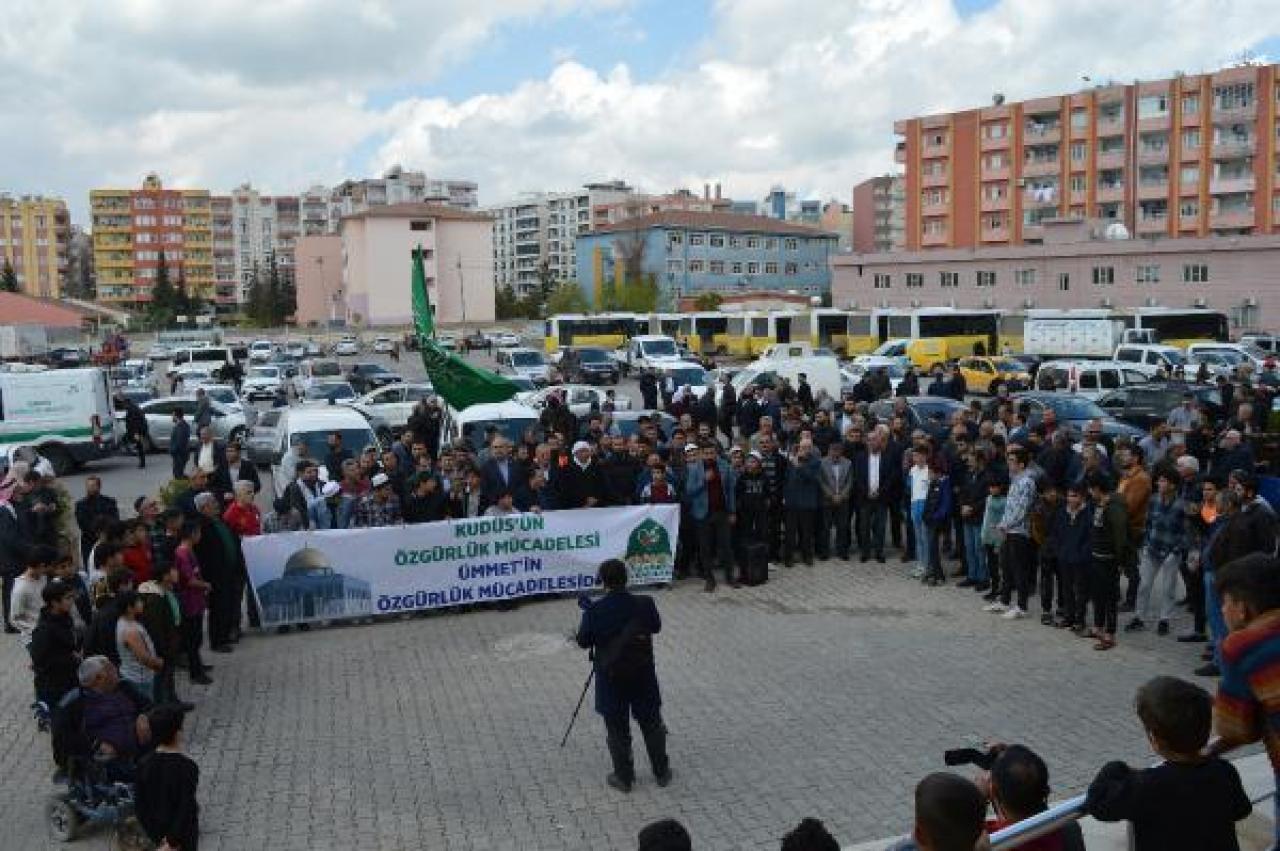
(547, 94)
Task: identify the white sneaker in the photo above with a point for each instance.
(1014, 614)
(995, 606)
(917, 571)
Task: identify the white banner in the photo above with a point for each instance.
(350, 573)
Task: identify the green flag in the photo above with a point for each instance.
(456, 381)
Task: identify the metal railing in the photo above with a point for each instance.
(1041, 824)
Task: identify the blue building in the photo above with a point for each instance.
(689, 253)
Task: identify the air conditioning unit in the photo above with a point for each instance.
(915, 302)
(1106, 302)
(1028, 303)
(1150, 302)
(1251, 302)
(988, 303)
(1200, 302)
(853, 304)
(951, 303)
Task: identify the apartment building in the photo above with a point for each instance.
(1190, 156)
(689, 253)
(397, 186)
(35, 234)
(643, 204)
(135, 230)
(878, 207)
(541, 229)
(79, 282)
(262, 230)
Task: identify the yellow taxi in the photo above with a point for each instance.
(984, 375)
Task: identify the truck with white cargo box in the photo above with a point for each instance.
(20, 342)
(1078, 333)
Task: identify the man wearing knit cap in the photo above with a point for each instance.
(579, 484)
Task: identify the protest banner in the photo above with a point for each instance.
(299, 577)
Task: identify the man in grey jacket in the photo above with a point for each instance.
(835, 478)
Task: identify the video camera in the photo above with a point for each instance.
(972, 756)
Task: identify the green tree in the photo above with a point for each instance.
(8, 278)
(181, 300)
(256, 309)
(163, 296)
(640, 295)
(708, 301)
(276, 296)
(508, 305)
(566, 298)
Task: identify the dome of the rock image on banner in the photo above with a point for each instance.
(311, 589)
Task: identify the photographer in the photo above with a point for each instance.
(619, 629)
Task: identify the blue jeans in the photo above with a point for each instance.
(1217, 623)
(920, 530)
(975, 553)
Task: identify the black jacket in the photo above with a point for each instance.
(101, 637)
(248, 473)
(890, 479)
(620, 471)
(15, 542)
(92, 510)
(53, 649)
(573, 485)
(601, 622)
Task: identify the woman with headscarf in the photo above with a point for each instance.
(14, 540)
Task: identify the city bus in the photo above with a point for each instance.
(1181, 328)
(827, 327)
(607, 330)
(748, 334)
(663, 324)
(705, 333)
(961, 332)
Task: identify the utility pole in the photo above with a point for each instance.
(462, 291)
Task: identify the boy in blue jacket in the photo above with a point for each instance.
(937, 519)
(1069, 530)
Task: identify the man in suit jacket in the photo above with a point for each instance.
(501, 473)
(877, 483)
(835, 478)
(620, 626)
(209, 452)
(180, 444)
(235, 468)
(579, 484)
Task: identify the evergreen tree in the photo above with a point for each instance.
(567, 298)
(507, 305)
(275, 300)
(163, 297)
(8, 278)
(709, 301)
(181, 300)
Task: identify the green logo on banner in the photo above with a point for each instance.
(649, 552)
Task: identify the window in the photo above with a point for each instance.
(1191, 138)
(717, 267)
(415, 224)
(935, 168)
(986, 279)
(1104, 276)
(791, 243)
(753, 242)
(1189, 175)
(717, 240)
(1078, 183)
(1147, 273)
(697, 238)
(735, 242)
(935, 227)
(949, 280)
(934, 196)
(936, 139)
(1024, 277)
(993, 221)
(675, 238)
(697, 266)
(880, 281)
(997, 130)
(1064, 281)
(144, 221)
(1189, 209)
(1233, 96)
(735, 268)
(1153, 106)
(753, 268)
(1079, 119)
(790, 268)
(771, 268)
(1195, 273)
(915, 281)
(1079, 152)
(1190, 104)
(994, 191)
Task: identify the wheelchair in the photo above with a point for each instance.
(99, 790)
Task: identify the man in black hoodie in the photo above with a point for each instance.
(54, 649)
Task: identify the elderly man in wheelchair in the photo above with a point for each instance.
(99, 730)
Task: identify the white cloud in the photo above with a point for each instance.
(799, 92)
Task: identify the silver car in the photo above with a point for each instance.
(227, 424)
(264, 437)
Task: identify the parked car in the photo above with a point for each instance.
(588, 365)
(985, 374)
(329, 391)
(1144, 406)
(1217, 363)
(1150, 358)
(511, 419)
(312, 425)
(264, 436)
(530, 363)
(688, 374)
(295, 349)
(260, 351)
(382, 345)
(1070, 410)
(227, 424)
(1087, 378)
(1254, 355)
(394, 403)
(262, 382)
(66, 357)
(370, 376)
(159, 352)
(628, 422)
(311, 349)
(319, 369)
(476, 341)
(505, 340)
(1269, 343)
(580, 398)
(852, 373)
(932, 414)
(347, 347)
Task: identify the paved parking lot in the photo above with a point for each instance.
(827, 692)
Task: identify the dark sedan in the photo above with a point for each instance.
(1148, 405)
(628, 422)
(932, 414)
(1071, 410)
(370, 376)
(588, 365)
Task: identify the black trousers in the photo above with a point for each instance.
(618, 737)
(714, 547)
(139, 444)
(179, 466)
(1106, 594)
(774, 540)
(165, 688)
(250, 601)
(1195, 596)
(835, 518)
(7, 588)
(1081, 579)
(993, 568)
(895, 523)
(1018, 558)
(1048, 579)
(800, 534)
(871, 519)
(1131, 590)
(224, 610)
(192, 639)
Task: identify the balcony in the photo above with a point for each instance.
(1109, 125)
(1153, 155)
(1153, 189)
(1235, 217)
(1109, 193)
(1152, 223)
(1110, 159)
(934, 179)
(1191, 187)
(939, 208)
(995, 234)
(1243, 114)
(1154, 122)
(990, 144)
(992, 205)
(1035, 133)
(1230, 184)
(934, 240)
(1230, 147)
(1041, 167)
(1001, 173)
(1033, 232)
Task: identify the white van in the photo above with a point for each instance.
(822, 373)
(64, 414)
(471, 424)
(213, 357)
(310, 371)
(313, 425)
(648, 351)
(1090, 379)
(1150, 359)
(1252, 354)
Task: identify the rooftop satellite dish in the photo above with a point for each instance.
(1116, 230)
(998, 99)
